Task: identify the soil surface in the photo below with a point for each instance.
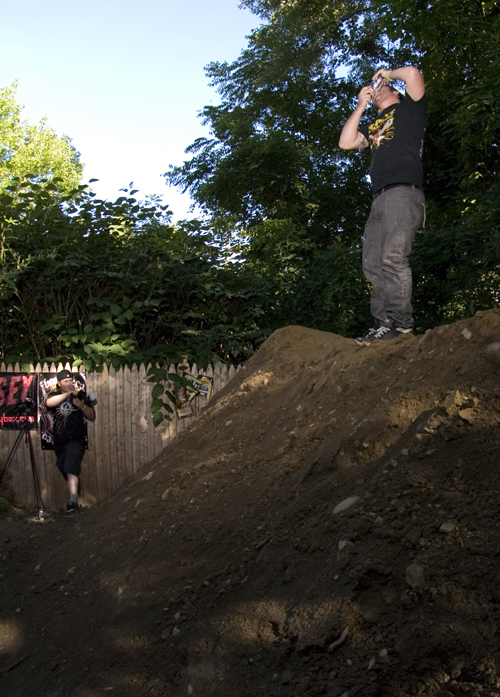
(330, 525)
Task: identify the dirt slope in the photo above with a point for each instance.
(329, 526)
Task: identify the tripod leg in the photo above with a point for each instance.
(36, 481)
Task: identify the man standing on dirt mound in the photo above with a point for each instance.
(69, 411)
(398, 209)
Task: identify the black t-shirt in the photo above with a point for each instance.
(396, 140)
(69, 422)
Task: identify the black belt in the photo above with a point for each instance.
(391, 186)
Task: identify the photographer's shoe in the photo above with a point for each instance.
(71, 508)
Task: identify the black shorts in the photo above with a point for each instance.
(69, 457)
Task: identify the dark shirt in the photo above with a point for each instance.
(396, 141)
(69, 423)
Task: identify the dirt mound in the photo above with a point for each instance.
(329, 526)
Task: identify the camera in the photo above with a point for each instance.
(377, 84)
(26, 408)
(90, 400)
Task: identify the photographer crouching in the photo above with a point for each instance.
(70, 410)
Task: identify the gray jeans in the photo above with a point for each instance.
(396, 215)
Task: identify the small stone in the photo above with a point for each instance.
(338, 642)
(405, 599)
(419, 437)
(414, 535)
(467, 415)
(467, 333)
(389, 596)
(449, 527)
(176, 631)
(342, 544)
(435, 420)
(449, 431)
(345, 504)
(384, 656)
(451, 402)
(415, 576)
(371, 615)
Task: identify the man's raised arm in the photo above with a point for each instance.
(351, 138)
(411, 76)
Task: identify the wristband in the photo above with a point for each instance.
(389, 79)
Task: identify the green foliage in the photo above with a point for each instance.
(298, 204)
(457, 259)
(116, 282)
(458, 47)
(33, 150)
(274, 166)
(96, 282)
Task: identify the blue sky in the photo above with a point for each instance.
(125, 80)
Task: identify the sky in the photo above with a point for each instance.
(123, 79)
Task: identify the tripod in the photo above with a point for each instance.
(25, 431)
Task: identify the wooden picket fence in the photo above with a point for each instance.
(121, 440)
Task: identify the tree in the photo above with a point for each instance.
(457, 261)
(29, 150)
(96, 281)
(273, 161)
